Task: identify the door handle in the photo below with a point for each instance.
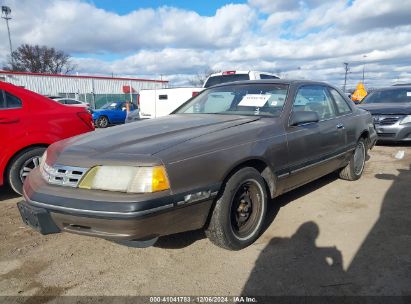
(9, 120)
(340, 126)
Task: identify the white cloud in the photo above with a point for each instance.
(296, 38)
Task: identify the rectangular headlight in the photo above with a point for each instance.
(126, 179)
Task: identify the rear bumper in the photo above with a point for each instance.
(111, 215)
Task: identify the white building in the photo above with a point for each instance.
(97, 90)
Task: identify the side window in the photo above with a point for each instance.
(12, 102)
(342, 106)
(316, 99)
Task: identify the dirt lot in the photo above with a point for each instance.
(330, 237)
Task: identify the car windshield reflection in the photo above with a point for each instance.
(244, 99)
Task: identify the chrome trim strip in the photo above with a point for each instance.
(95, 212)
(320, 162)
(283, 175)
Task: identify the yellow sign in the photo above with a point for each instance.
(359, 93)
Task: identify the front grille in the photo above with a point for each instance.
(63, 175)
(386, 120)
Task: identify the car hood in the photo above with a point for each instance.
(387, 108)
(146, 137)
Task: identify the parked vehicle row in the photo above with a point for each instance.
(29, 122)
(212, 164)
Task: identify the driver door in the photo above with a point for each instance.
(314, 148)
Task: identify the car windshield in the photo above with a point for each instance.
(219, 79)
(244, 99)
(110, 106)
(401, 95)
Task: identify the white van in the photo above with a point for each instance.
(161, 102)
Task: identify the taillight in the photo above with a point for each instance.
(228, 72)
(87, 119)
(195, 94)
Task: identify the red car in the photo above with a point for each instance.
(29, 123)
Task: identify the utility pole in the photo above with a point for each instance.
(345, 78)
(363, 69)
(5, 12)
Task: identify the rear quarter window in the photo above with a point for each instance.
(2, 100)
(11, 101)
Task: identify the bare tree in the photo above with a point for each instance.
(198, 79)
(40, 59)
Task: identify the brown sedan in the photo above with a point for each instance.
(213, 164)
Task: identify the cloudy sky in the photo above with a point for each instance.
(175, 39)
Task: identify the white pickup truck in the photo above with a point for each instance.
(161, 102)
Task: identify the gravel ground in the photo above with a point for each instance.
(330, 237)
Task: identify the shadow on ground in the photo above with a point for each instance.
(382, 265)
(6, 193)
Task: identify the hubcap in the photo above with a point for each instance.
(246, 209)
(359, 158)
(28, 166)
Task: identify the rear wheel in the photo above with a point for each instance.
(21, 165)
(238, 217)
(102, 122)
(355, 167)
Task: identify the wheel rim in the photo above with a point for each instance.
(359, 158)
(28, 166)
(246, 209)
(103, 122)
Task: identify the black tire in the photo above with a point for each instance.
(102, 122)
(19, 167)
(238, 218)
(355, 167)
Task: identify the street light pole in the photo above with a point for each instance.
(5, 11)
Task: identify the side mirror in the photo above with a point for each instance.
(304, 117)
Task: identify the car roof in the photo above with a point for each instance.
(240, 72)
(399, 87)
(274, 81)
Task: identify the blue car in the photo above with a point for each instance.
(111, 113)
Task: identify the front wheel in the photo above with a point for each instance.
(355, 167)
(21, 165)
(238, 216)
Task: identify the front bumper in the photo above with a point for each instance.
(140, 217)
(396, 132)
